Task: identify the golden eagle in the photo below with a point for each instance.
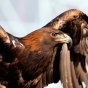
(25, 62)
(39, 58)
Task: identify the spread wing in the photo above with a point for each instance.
(75, 23)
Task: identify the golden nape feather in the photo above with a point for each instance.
(27, 62)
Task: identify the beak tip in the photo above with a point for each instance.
(69, 41)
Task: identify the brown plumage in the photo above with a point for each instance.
(28, 62)
(75, 23)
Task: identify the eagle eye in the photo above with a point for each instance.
(54, 34)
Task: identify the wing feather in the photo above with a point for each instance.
(65, 71)
(78, 70)
(74, 78)
(80, 73)
(44, 79)
(82, 47)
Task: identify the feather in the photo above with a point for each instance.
(35, 61)
(65, 67)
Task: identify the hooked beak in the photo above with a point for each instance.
(64, 38)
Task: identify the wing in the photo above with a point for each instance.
(82, 47)
(8, 46)
(81, 54)
(72, 69)
(75, 23)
